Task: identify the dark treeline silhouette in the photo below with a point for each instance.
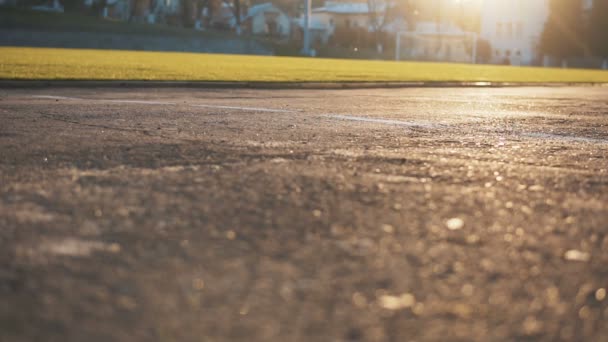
(563, 36)
(598, 29)
(571, 31)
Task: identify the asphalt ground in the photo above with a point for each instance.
(304, 215)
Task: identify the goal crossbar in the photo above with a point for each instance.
(471, 36)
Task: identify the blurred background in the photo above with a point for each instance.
(556, 33)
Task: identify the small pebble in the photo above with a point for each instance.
(455, 223)
(576, 255)
(473, 239)
(461, 310)
(536, 188)
(532, 326)
(387, 228)
(114, 248)
(403, 301)
(584, 313)
(359, 300)
(467, 290)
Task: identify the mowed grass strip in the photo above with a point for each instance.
(18, 63)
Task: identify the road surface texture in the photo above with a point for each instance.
(304, 215)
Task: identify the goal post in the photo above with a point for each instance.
(459, 47)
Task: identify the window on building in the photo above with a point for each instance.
(508, 53)
(347, 23)
(499, 29)
(520, 29)
(509, 30)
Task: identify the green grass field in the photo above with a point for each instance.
(71, 64)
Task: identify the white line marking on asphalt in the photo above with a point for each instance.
(538, 135)
(54, 97)
(385, 121)
(256, 109)
(145, 102)
(140, 102)
(103, 100)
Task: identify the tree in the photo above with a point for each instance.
(378, 17)
(187, 15)
(237, 6)
(135, 7)
(484, 51)
(598, 27)
(237, 15)
(213, 7)
(98, 7)
(563, 33)
(72, 5)
(409, 10)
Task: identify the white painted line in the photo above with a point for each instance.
(255, 109)
(103, 100)
(144, 102)
(140, 102)
(385, 121)
(414, 124)
(54, 97)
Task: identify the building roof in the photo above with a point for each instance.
(261, 8)
(344, 8)
(314, 24)
(348, 7)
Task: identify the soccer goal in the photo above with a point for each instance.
(450, 47)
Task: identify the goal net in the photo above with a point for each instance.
(447, 47)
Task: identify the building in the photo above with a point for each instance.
(338, 15)
(342, 16)
(318, 30)
(514, 28)
(223, 17)
(161, 9)
(46, 6)
(267, 19)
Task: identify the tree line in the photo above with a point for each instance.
(572, 31)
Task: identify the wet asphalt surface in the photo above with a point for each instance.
(304, 215)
